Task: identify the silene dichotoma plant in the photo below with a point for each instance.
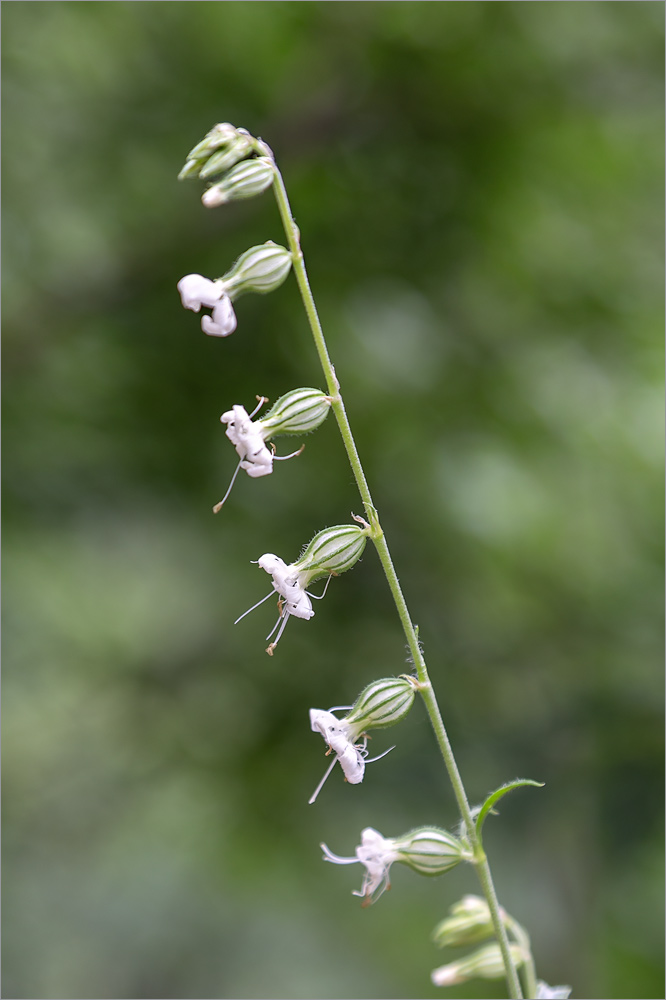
(235, 165)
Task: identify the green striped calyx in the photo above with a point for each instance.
(297, 412)
(430, 850)
(260, 269)
(381, 704)
(219, 150)
(245, 180)
(484, 963)
(469, 922)
(331, 551)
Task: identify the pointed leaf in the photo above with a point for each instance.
(497, 795)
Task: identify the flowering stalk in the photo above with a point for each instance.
(377, 535)
(236, 165)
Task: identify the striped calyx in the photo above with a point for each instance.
(469, 921)
(485, 963)
(260, 269)
(331, 551)
(381, 704)
(430, 850)
(297, 412)
(245, 180)
(221, 146)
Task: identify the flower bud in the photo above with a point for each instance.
(430, 850)
(468, 923)
(226, 157)
(297, 412)
(381, 704)
(486, 963)
(260, 269)
(220, 135)
(245, 180)
(222, 138)
(333, 550)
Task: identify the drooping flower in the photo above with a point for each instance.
(331, 551)
(380, 704)
(197, 291)
(427, 850)
(297, 412)
(260, 269)
(376, 854)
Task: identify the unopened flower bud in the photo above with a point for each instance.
(245, 180)
(381, 704)
(486, 963)
(221, 139)
(430, 850)
(260, 269)
(220, 135)
(297, 412)
(333, 550)
(468, 923)
(226, 157)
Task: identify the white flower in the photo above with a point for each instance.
(340, 736)
(294, 600)
(377, 854)
(546, 992)
(249, 442)
(197, 291)
(287, 583)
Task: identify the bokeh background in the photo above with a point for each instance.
(479, 189)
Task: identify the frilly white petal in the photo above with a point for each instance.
(546, 992)
(223, 320)
(197, 291)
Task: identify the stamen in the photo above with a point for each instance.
(218, 506)
(254, 606)
(272, 646)
(262, 400)
(371, 760)
(321, 785)
(280, 617)
(283, 458)
(319, 598)
(335, 858)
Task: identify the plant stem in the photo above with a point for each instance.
(479, 858)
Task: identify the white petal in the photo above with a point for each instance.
(197, 291)
(223, 320)
(335, 858)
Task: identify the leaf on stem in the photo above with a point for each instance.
(495, 796)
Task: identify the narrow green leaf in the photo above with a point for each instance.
(497, 795)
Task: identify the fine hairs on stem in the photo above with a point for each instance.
(236, 165)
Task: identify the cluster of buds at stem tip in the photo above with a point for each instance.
(427, 850)
(227, 156)
(380, 704)
(260, 269)
(469, 922)
(331, 552)
(297, 412)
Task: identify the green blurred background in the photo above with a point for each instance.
(479, 189)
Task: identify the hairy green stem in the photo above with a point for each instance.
(479, 860)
